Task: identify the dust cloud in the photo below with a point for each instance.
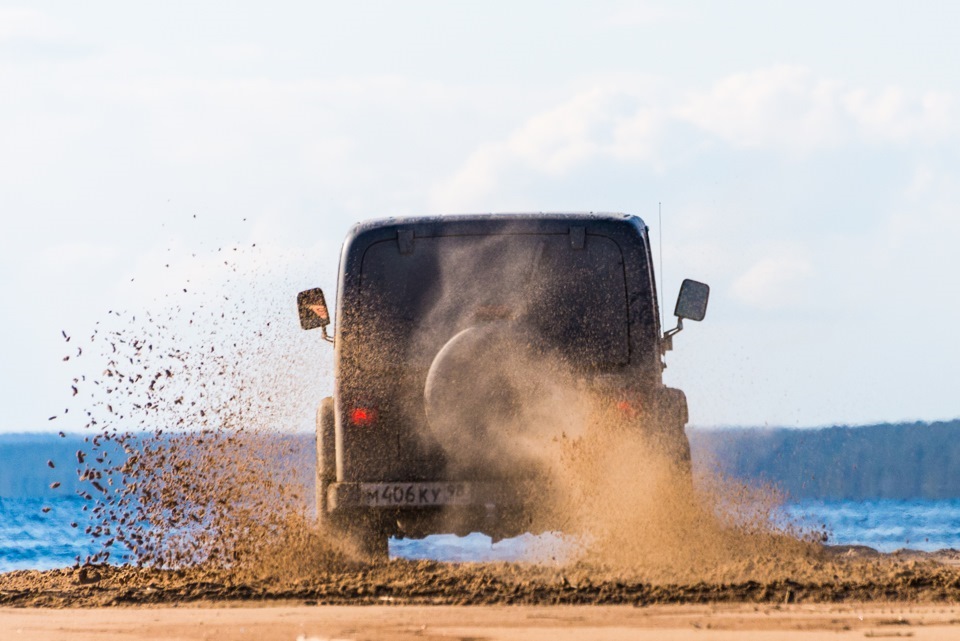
(620, 488)
(643, 513)
(528, 390)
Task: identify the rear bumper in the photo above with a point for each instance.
(416, 509)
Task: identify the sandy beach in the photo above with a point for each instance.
(230, 622)
(846, 593)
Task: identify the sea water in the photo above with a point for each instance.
(883, 524)
(33, 539)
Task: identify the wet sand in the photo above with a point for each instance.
(843, 593)
(836, 575)
(529, 623)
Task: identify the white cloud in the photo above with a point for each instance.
(775, 281)
(897, 116)
(779, 107)
(788, 110)
(601, 121)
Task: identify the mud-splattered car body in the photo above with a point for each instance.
(447, 331)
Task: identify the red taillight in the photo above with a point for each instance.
(627, 408)
(363, 416)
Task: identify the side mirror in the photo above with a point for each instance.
(691, 304)
(692, 301)
(313, 309)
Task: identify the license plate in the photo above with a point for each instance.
(415, 494)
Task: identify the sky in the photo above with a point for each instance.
(805, 157)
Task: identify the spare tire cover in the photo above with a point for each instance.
(475, 393)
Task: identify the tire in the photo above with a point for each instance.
(474, 396)
(326, 456)
(371, 541)
(672, 420)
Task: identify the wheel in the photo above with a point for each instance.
(672, 418)
(373, 543)
(368, 536)
(475, 394)
(326, 455)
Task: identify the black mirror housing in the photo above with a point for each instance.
(313, 309)
(692, 301)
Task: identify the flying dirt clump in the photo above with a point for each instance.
(190, 459)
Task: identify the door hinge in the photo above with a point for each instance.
(405, 241)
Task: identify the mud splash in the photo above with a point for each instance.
(636, 509)
(191, 407)
(189, 466)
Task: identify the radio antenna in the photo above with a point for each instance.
(662, 275)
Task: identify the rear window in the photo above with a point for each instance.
(574, 300)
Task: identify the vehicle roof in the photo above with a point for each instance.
(456, 224)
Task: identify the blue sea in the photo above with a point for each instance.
(32, 539)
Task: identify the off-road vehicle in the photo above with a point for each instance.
(451, 336)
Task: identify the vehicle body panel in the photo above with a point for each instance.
(391, 320)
